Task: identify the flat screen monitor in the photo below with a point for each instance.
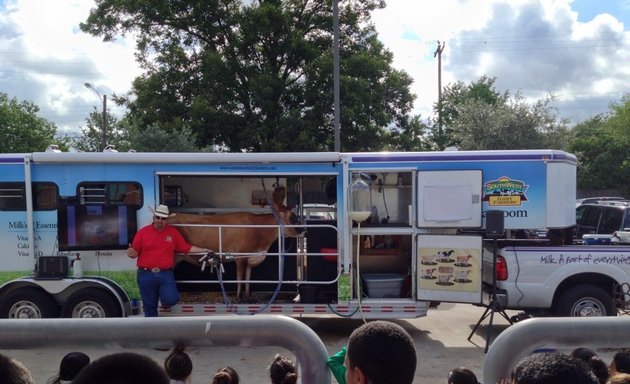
(95, 227)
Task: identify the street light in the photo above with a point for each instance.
(104, 122)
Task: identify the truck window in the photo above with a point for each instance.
(611, 221)
(110, 193)
(13, 196)
(587, 219)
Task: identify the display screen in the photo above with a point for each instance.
(95, 227)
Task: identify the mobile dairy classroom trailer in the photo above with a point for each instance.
(417, 237)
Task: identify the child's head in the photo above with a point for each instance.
(178, 365)
(282, 371)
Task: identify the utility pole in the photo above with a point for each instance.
(104, 121)
(336, 93)
(104, 124)
(438, 53)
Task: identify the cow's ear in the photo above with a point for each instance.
(277, 207)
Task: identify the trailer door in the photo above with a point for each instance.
(449, 264)
(449, 199)
(449, 268)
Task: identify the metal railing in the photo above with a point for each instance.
(520, 339)
(202, 331)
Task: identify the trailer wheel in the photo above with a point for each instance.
(28, 303)
(584, 301)
(91, 303)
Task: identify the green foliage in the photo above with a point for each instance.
(21, 130)
(601, 145)
(409, 136)
(478, 117)
(454, 96)
(515, 125)
(156, 139)
(126, 135)
(92, 135)
(257, 76)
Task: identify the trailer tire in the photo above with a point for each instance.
(584, 301)
(91, 303)
(28, 303)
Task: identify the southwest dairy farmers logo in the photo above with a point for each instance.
(504, 192)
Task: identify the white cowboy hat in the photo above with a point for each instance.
(161, 211)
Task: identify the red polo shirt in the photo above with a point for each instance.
(156, 249)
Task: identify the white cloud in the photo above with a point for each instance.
(532, 46)
(48, 60)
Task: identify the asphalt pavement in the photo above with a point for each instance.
(440, 337)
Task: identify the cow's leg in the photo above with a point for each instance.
(241, 266)
(252, 261)
(248, 277)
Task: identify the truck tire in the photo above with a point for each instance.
(28, 303)
(91, 303)
(584, 301)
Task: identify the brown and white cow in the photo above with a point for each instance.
(463, 260)
(251, 240)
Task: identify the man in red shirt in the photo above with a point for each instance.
(154, 247)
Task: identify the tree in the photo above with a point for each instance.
(91, 136)
(257, 75)
(453, 96)
(409, 136)
(21, 130)
(477, 116)
(601, 145)
(511, 125)
(155, 139)
(127, 135)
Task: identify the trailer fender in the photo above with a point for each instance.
(27, 301)
(91, 296)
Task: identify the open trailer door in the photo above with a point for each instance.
(449, 265)
(449, 268)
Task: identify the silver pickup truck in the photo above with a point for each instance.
(566, 280)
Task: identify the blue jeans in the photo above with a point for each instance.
(157, 286)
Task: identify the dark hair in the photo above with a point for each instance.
(14, 372)
(462, 376)
(384, 352)
(552, 368)
(599, 368)
(178, 365)
(122, 368)
(282, 371)
(226, 375)
(583, 354)
(70, 366)
(622, 361)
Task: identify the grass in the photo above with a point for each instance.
(8, 276)
(344, 287)
(126, 279)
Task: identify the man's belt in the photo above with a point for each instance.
(154, 270)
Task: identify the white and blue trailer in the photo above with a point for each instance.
(420, 243)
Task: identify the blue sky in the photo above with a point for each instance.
(588, 9)
(576, 50)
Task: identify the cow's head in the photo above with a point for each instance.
(287, 217)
